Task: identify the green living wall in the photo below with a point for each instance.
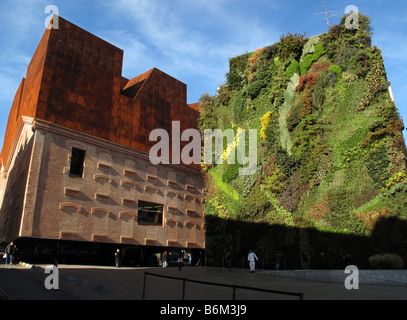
(331, 158)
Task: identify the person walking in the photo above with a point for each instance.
(199, 263)
(10, 253)
(165, 263)
(252, 258)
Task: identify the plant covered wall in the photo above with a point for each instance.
(331, 155)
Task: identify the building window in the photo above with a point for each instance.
(150, 213)
(77, 161)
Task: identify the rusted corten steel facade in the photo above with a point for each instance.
(75, 97)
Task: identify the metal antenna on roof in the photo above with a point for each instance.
(328, 14)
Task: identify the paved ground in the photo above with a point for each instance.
(107, 283)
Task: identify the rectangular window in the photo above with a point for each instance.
(77, 161)
(150, 213)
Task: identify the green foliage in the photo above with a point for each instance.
(331, 156)
(346, 52)
(359, 64)
(377, 163)
(208, 119)
(253, 89)
(225, 187)
(386, 261)
(244, 184)
(289, 94)
(337, 69)
(375, 78)
(231, 172)
(234, 81)
(310, 58)
(274, 183)
(308, 131)
(237, 104)
(290, 46)
(293, 68)
(309, 46)
(294, 117)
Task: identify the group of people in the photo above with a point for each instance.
(252, 258)
(180, 259)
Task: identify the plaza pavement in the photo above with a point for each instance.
(26, 282)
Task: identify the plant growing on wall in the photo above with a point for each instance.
(331, 156)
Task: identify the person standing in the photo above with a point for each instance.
(180, 260)
(228, 262)
(252, 258)
(324, 263)
(10, 253)
(117, 258)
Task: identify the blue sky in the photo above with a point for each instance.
(191, 40)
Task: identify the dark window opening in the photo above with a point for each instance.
(150, 213)
(77, 161)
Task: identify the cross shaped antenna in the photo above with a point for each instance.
(327, 14)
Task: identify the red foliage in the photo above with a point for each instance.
(320, 209)
(319, 67)
(308, 79)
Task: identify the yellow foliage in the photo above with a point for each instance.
(254, 56)
(265, 122)
(231, 147)
(370, 218)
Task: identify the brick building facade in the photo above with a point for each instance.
(75, 169)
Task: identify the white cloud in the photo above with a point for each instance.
(188, 38)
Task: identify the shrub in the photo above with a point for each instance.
(290, 46)
(319, 67)
(344, 55)
(370, 218)
(386, 261)
(208, 118)
(377, 163)
(306, 100)
(397, 182)
(320, 209)
(318, 97)
(337, 69)
(306, 80)
(294, 67)
(274, 183)
(294, 117)
(265, 122)
(253, 89)
(237, 103)
(359, 64)
(289, 95)
(348, 77)
(376, 78)
(310, 58)
(234, 81)
(231, 172)
(309, 47)
(254, 56)
(238, 64)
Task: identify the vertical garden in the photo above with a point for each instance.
(331, 173)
